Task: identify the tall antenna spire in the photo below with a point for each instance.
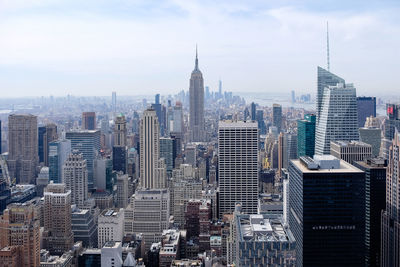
(196, 66)
(327, 45)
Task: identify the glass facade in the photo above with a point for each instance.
(306, 136)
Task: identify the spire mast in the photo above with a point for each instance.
(327, 45)
(196, 66)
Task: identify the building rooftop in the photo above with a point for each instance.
(350, 143)
(323, 164)
(262, 228)
(237, 124)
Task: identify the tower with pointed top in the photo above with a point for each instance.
(196, 95)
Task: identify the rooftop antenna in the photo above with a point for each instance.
(327, 45)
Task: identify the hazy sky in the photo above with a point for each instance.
(91, 47)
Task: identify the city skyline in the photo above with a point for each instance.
(62, 47)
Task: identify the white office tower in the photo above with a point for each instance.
(75, 177)
(111, 254)
(338, 117)
(150, 170)
(110, 226)
(148, 213)
(238, 165)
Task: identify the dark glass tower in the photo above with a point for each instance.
(277, 117)
(306, 136)
(327, 211)
(375, 192)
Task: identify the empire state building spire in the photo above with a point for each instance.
(196, 96)
(196, 65)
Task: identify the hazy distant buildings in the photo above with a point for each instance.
(366, 106)
(88, 120)
(23, 147)
(390, 248)
(196, 96)
(329, 229)
(114, 102)
(337, 118)
(238, 165)
(306, 136)
(253, 109)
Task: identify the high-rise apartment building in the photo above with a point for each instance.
(88, 120)
(325, 79)
(337, 118)
(120, 154)
(46, 134)
(196, 96)
(23, 147)
(238, 165)
(75, 177)
(277, 116)
(375, 202)
(148, 213)
(306, 136)
(390, 243)
(20, 227)
(58, 153)
(57, 235)
(351, 151)
(150, 177)
(86, 142)
(329, 228)
(366, 106)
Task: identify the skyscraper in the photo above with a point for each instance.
(57, 235)
(277, 116)
(390, 255)
(351, 151)
(366, 106)
(253, 110)
(46, 135)
(196, 95)
(238, 165)
(23, 147)
(260, 120)
(371, 134)
(168, 152)
(75, 177)
(159, 111)
(120, 158)
(391, 123)
(338, 117)
(329, 228)
(150, 151)
(86, 142)
(306, 136)
(375, 201)
(20, 227)
(88, 120)
(325, 79)
(58, 153)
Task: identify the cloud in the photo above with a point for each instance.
(150, 44)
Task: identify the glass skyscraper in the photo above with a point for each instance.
(338, 117)
(306, 136)
(366, 106)
(58, 152)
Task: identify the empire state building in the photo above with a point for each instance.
(196, 95)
